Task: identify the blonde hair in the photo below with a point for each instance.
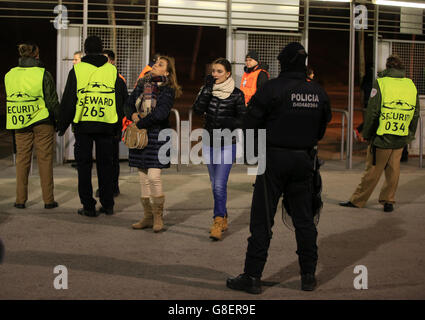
(28, 50)
(172, 76)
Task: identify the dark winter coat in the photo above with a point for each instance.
(220, 113)
(154, 122)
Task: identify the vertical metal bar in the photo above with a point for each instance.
(342, 134)
(421, 140)
(376, 40)
(351, 89)
(229, 42)
(85, 18)
(177, 114)
(190, 127)
(190, 120)
(147, 33)
(59, 140)
(306, 25)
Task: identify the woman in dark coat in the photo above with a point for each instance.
(223, 106)
(149, 108)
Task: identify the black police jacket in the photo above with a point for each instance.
(294, 112)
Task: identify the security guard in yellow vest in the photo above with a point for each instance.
(390, 124)
(31, 107)
(93, 101)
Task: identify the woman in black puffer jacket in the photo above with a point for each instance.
(149, 107)
(223, 106)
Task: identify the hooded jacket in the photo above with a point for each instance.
(49, 91)
(373, 111)
(69, 101)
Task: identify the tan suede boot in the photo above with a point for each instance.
(225, 224)
(157, 204)
(217, 228)
(147, 221)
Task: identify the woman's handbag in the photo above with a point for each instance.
(135, 138)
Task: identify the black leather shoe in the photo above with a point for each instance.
(308, 282)
(109, 211)
(246, 283)
(19, 205)
(52, 205)
(88, 213)
(97, 193)
(388, 207)
(347, 204)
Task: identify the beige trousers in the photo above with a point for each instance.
(42, 137)
(387, 160)
(150, 182)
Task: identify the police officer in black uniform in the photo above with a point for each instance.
(295, 114)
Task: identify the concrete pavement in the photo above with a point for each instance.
(106, 259)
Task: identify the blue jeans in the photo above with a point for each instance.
(219, 162)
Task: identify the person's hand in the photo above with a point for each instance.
(209, 81)
(135, 117)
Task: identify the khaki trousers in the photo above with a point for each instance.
(42, 137)
(387, 160)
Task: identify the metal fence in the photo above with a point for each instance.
(412, 53)
(127, 43)
(268, 46)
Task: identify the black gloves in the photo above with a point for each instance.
(209, 81)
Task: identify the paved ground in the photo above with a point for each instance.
(106, 259)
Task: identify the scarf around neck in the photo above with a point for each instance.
(225, 89)
(146, 101)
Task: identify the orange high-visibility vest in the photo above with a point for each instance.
(249, 83)
(145, 70)
(121, 76)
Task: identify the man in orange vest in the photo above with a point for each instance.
(254, 77)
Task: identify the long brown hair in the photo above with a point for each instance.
(172, 76)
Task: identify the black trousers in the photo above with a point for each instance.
(83, 155)
(289, 173)
(115, 164)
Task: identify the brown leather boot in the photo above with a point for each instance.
(147, 221)
(157, 204)
(217, 228)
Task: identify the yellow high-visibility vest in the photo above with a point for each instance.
(25, 103)
(398, 105)
(96, 93)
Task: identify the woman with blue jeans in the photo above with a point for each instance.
(223, 106)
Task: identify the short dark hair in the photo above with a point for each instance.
(394, 62)
(110, 54)
(225, 63)
(93, 45)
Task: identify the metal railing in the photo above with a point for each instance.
(177, 114)
(420, 140)
(343, 113)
